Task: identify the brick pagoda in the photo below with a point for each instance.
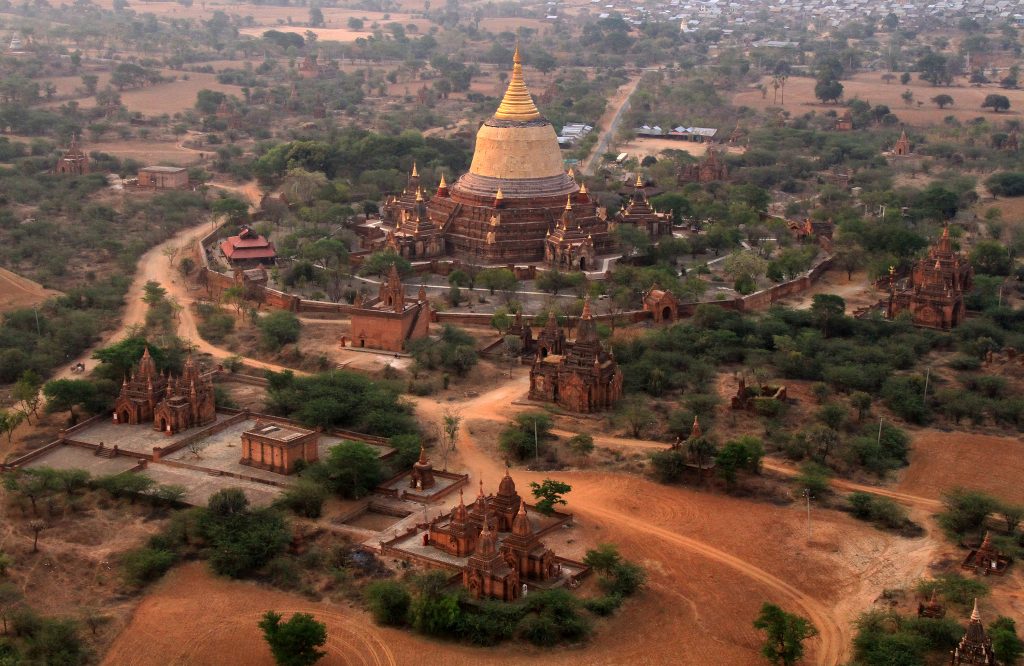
(640, 214)
(934, 296)
(975, 647)
(390, 320)
(710, 169)
(170, 403)
(74, 162)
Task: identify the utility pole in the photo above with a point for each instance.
(536, 444)
(879, 441)
(927, 376)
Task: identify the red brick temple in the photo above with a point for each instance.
(640, 214)
(579, 376)
(390, 320)
(902, 146)
(511, 206)
(74, 161)
(170, 403)
(934, 296)
(975, 647)
(710, 169)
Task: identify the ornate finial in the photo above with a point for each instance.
(583, 188)
(572, 173)
(499, 195)
(442, 184)
(639, 180)
(975, 615)
(423, 454)
(695, 431)
(419, 195)
(568, 202)
(586, 309)
(415, 173)
(517, 104)
(945, 231)
(892, 269)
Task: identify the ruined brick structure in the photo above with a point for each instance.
(74, 161)
(496, 565)
(708, 170)
(422, 477)
(170, 403)
(639, 213)
(390, 320)
(276, 447)
(934, 296)
(986, 559)
(508, 208)
(844, 123)
(579, 376)
(975, 647)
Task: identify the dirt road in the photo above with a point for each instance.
(610, 121)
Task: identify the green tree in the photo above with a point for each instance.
(785, 634)
(1006, 645)
(350, 470)
(380, 263)
(581, 444)
(861, 401)
(389, 602)
(548, 494)
(827, 309)
(497, 279)
(27, 392)
(829, 90)
(526, 436)
(66, 394)
(742, 454)
(996, 102)
(295, 642)
(942, 101)
(991, 257)
(279, 328)
(305, 497)
(316, 17)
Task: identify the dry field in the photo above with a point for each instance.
(869, 87)
(170, 98)
(641, 147)
(148, 151)
(857, 292)
(18, 292)
(941, 460)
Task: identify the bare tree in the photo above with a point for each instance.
(36, 526)
(451, 421)
(171, 252)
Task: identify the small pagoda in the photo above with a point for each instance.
(975, 647)
(986, 559)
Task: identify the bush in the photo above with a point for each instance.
(389, 602)
(877, 509)
(966, 511)
(814, 477)
(279, 328)
(668, 465)
(603, 606)
(953, 587)
(491, 624)
(304, 498)
(145, 565)
(283, 572)
(624, 579)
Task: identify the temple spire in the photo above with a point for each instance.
(517, 104)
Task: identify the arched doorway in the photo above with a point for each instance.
(583, 263)
(666, 313)
(543, 352)
(124, 417)
(163, 424)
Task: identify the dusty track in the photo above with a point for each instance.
(20, 292)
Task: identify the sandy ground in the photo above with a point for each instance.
(148, 152)
(941, 460)
(19, 292)
(869, 87)
(857, 292)
(606, 125)
(170, 98)
(708, 577)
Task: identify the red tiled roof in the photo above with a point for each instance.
(253, 249)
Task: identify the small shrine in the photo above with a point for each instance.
(986, 559)
(170, 403)
(278, 447)
(932, 608)
(422, 476)
(975, 647)
(640, 214)
(710, 169)
(74, 162)
(902, 146)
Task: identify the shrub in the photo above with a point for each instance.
(279, 328)
(966, 511)
(305, 498)
(603, 606)
(668, 465)
(953, 587)
(145, 565)
(389, 602)
(814, 477)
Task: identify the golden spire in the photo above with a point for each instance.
(419, 194)
(572, 173)
(517, 103)
(583, 188)
(443, 184)
(499, 195)
(639, 180)
(568, 202)
(415, 173)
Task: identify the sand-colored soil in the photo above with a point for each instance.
(868, 86)
(148, 151)
(170, 98)
(941, 460)
(856, 291)
(19, 292)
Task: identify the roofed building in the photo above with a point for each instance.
(248, 248)
(171, 403)
(709, 169)
(640, 214)
(277, 447)
(934, 296)
(163, 177)
(975, 648)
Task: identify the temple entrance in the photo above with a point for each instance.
(583, 263)
(666, 314)
(362, 343)
(543, 352)
(163, 424)
(124, 416)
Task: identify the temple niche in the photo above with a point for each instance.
(902, 146)
(511, 207)
(709, 169)
(579, 376)
(934, 296)
(170, 403)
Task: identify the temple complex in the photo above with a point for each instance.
(579, 376)
(517, 204)
(662, 304)
(640, 214)
(390, 320)
(497, 536)
(975, 647)
(74, 162)
(170, 403)
(248, 248)
(709, 169)
(934, 296)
